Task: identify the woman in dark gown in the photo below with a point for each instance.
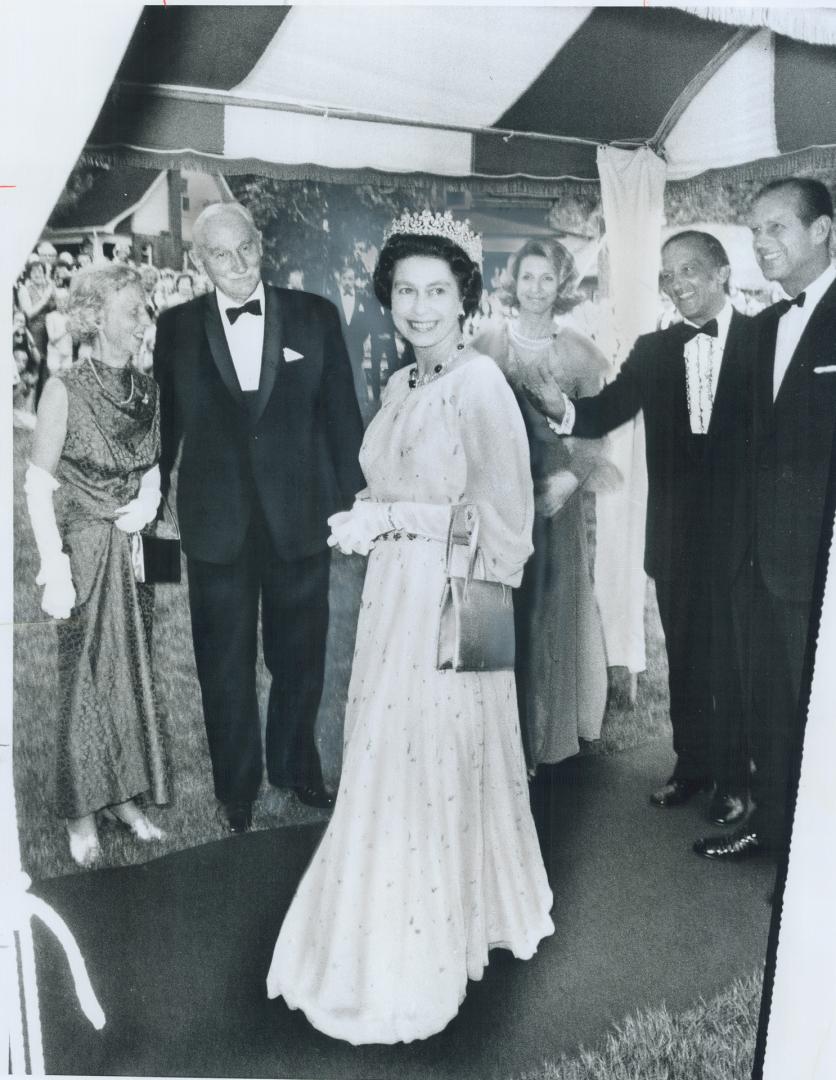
(561, 664)
(92, 484)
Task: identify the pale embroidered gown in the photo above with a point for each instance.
(431, 857)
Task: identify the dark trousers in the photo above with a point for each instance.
(525, 599)
(772, 639)
(728, 740)
(224, 603)
(706, 708)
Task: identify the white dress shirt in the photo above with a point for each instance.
(348, 301)
(245, 337)
(792, 324)
(703, 358)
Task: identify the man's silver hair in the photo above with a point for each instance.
(213, 211)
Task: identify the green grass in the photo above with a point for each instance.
(712, 1040)
(192, 816)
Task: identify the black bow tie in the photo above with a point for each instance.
(783, 306)
(252, 307)
(689, 332)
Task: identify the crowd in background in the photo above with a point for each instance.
(42, 344)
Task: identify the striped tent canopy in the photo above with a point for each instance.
(510, 95)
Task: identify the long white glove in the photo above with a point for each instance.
(354, 531)
(54, 574)
(136, 514)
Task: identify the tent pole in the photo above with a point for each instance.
(674, 113)
(214, 97)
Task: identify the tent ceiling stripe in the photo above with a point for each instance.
(674, 113)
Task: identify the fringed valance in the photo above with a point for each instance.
(816, 26)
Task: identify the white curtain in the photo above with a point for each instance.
(802, 1026)
(632, 189)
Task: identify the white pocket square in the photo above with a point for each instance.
(826, 369)
(291, 354)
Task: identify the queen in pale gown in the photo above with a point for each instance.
(431, 857)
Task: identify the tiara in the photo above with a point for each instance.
(429, 224)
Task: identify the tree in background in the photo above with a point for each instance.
(320, 227)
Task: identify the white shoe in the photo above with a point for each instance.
(130, 817)
(146, 830)
(84, 843)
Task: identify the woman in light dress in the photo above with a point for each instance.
(92, 481)
(561, 665)
(431, 857)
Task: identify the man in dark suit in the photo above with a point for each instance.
(355, 328)
(383, 347)
(256, 387)
(689, 381)
(780, 515)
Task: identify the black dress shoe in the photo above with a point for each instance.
(732, 847)
(313, 795)
(726, 809)
(239, 816)
(676, 792)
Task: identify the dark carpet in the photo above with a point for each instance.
(178, 949)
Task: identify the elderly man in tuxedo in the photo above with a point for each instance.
(689, 380)
(780, 517)
(256, 387)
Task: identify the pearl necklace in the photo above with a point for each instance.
(130, 396)
(415, 380)
(521, 339)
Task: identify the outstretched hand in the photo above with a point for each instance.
(542, 390)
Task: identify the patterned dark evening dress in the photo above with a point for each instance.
(109, 744)
(561, 661)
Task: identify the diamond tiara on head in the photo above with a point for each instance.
(426, 223)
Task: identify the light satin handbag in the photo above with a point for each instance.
(476, 623)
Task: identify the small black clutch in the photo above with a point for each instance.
(158, 562)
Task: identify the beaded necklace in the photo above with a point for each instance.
(130, 396)
(415, 380)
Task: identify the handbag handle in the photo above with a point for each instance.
(164, 502)
(463, 532)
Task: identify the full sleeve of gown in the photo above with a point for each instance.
(498, 480)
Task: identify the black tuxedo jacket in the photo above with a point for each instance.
(692, 479)
(292, 448)
(780, 510)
